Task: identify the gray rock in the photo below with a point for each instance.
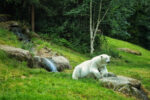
(125, 85)
(36, 61)
(61, 63)
(109, 74)
(14, 24)
(18, 53)
(48, 65)
(4, 17)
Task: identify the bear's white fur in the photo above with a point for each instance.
(96, 66)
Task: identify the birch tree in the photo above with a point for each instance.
(93, 27)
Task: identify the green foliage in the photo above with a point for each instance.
(128, 20)
(71, 35)
(80, 10)
(118, 16)
(27, 46)
(34, 2)
(140, 29)
(108, 50)
(69, 19)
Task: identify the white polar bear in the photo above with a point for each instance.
(96, 66)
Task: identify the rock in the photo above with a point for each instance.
(4, 17)
(9, 24)
(46, 60)
(130, 51)
(17, 30)
(14, 24)
(23, 33)
(125, 85)
(109, 74)
(139, 93)
(36, 62)
(26, 30)
(48, 64)
(61, 63)
(18, 53)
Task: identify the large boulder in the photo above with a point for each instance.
(4, 17)
(9, 24)
(61, 63)
(49, 65)
(18, 53)
(37, 62)
(125, 85)
(46, 59)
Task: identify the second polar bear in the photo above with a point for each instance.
(96, 66)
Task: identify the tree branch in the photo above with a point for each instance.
(98, 23)
(98, 19)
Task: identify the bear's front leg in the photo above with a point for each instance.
(96, 73)
(104, 71)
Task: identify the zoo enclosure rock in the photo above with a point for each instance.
(125, 85)
(24, 55)
(60, 62)
(18, 53)
(4, 17)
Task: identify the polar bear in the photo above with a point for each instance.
(96, 66)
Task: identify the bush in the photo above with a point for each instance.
(104, 48)
(112, 52)
(27, 45)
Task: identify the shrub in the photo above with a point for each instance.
(27, 45)
(104, 48)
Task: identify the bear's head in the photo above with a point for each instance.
(105, 58)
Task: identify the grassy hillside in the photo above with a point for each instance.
(131, 65)
(18, 82)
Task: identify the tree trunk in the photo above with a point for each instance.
(92, 46)
(32, 18)
(91, 30)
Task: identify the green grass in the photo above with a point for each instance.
(37, 84)
(18, 82)
(8, 38)
(21, 83)
(137, 66)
